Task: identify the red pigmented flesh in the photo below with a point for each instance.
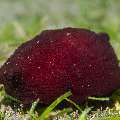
(57, 61)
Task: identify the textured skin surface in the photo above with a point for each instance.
(60, 60)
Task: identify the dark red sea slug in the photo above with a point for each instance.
(60, 60)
